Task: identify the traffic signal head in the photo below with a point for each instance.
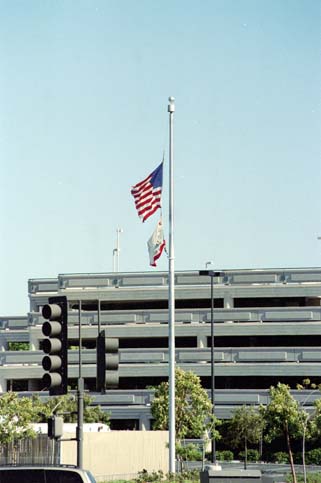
(55, 346)
(55, 427)
(107, 362)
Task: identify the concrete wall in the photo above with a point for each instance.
(122, 453)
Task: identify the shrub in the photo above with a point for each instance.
(187, 475)
(313, 457)
(190, 452)
(144, 476)
(280, 457)
(311, 478)
(252, 455)
(225, 455)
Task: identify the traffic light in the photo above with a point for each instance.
(55, 345)
(107, 362)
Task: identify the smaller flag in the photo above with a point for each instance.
(156, 244)
(147, 193)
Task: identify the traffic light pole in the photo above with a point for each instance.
(80, 400)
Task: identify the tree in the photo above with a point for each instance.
(16, 414)
(193, 408)
(245, 427)
(67, 405)
(283, 416)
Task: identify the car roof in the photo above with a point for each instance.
(63, 468)
(43, 467)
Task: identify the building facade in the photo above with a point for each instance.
(267, 328)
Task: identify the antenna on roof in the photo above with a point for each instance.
(116, 251)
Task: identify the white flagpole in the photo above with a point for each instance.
(171, 297)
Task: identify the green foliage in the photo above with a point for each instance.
(282, 414)
(144, 476)
(189, 452)
(18, 346)
(313, 457)
(246, 425)
(68, 405)
(316, 420)
(192, 405)
(224, 455)
(158, 476)
(307, 384)
(252, 455)
(16, 414)
(280, 457)
(186, 476)
(190, 476)
(311, 478)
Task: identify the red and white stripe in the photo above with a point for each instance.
(147, 198)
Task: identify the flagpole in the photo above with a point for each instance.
(171, 297)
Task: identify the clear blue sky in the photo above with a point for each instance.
(83, 94)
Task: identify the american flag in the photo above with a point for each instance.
(156, 244)
(147, 193)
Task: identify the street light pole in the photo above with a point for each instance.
(212, 274)
(116, 252)
(213, 443)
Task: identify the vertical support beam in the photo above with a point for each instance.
(3, 384)
(33, 340)
(228, 302)
(202, 341)
(144, 423)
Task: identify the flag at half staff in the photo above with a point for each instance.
(147, 193)
(156, 244)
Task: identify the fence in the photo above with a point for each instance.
(40, 450)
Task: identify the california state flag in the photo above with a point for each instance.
(156, 244)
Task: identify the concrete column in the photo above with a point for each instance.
(33, 341)
(3, 344)
(228, 302)
(3, 384)
(202, 341)
(144, 423)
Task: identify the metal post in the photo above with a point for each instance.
(80, 400)
(119, 230)
(212, 369)
(171, 297)
(116, 251)
(98, 313)
(212, 274)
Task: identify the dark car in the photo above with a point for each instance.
(44, 474)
